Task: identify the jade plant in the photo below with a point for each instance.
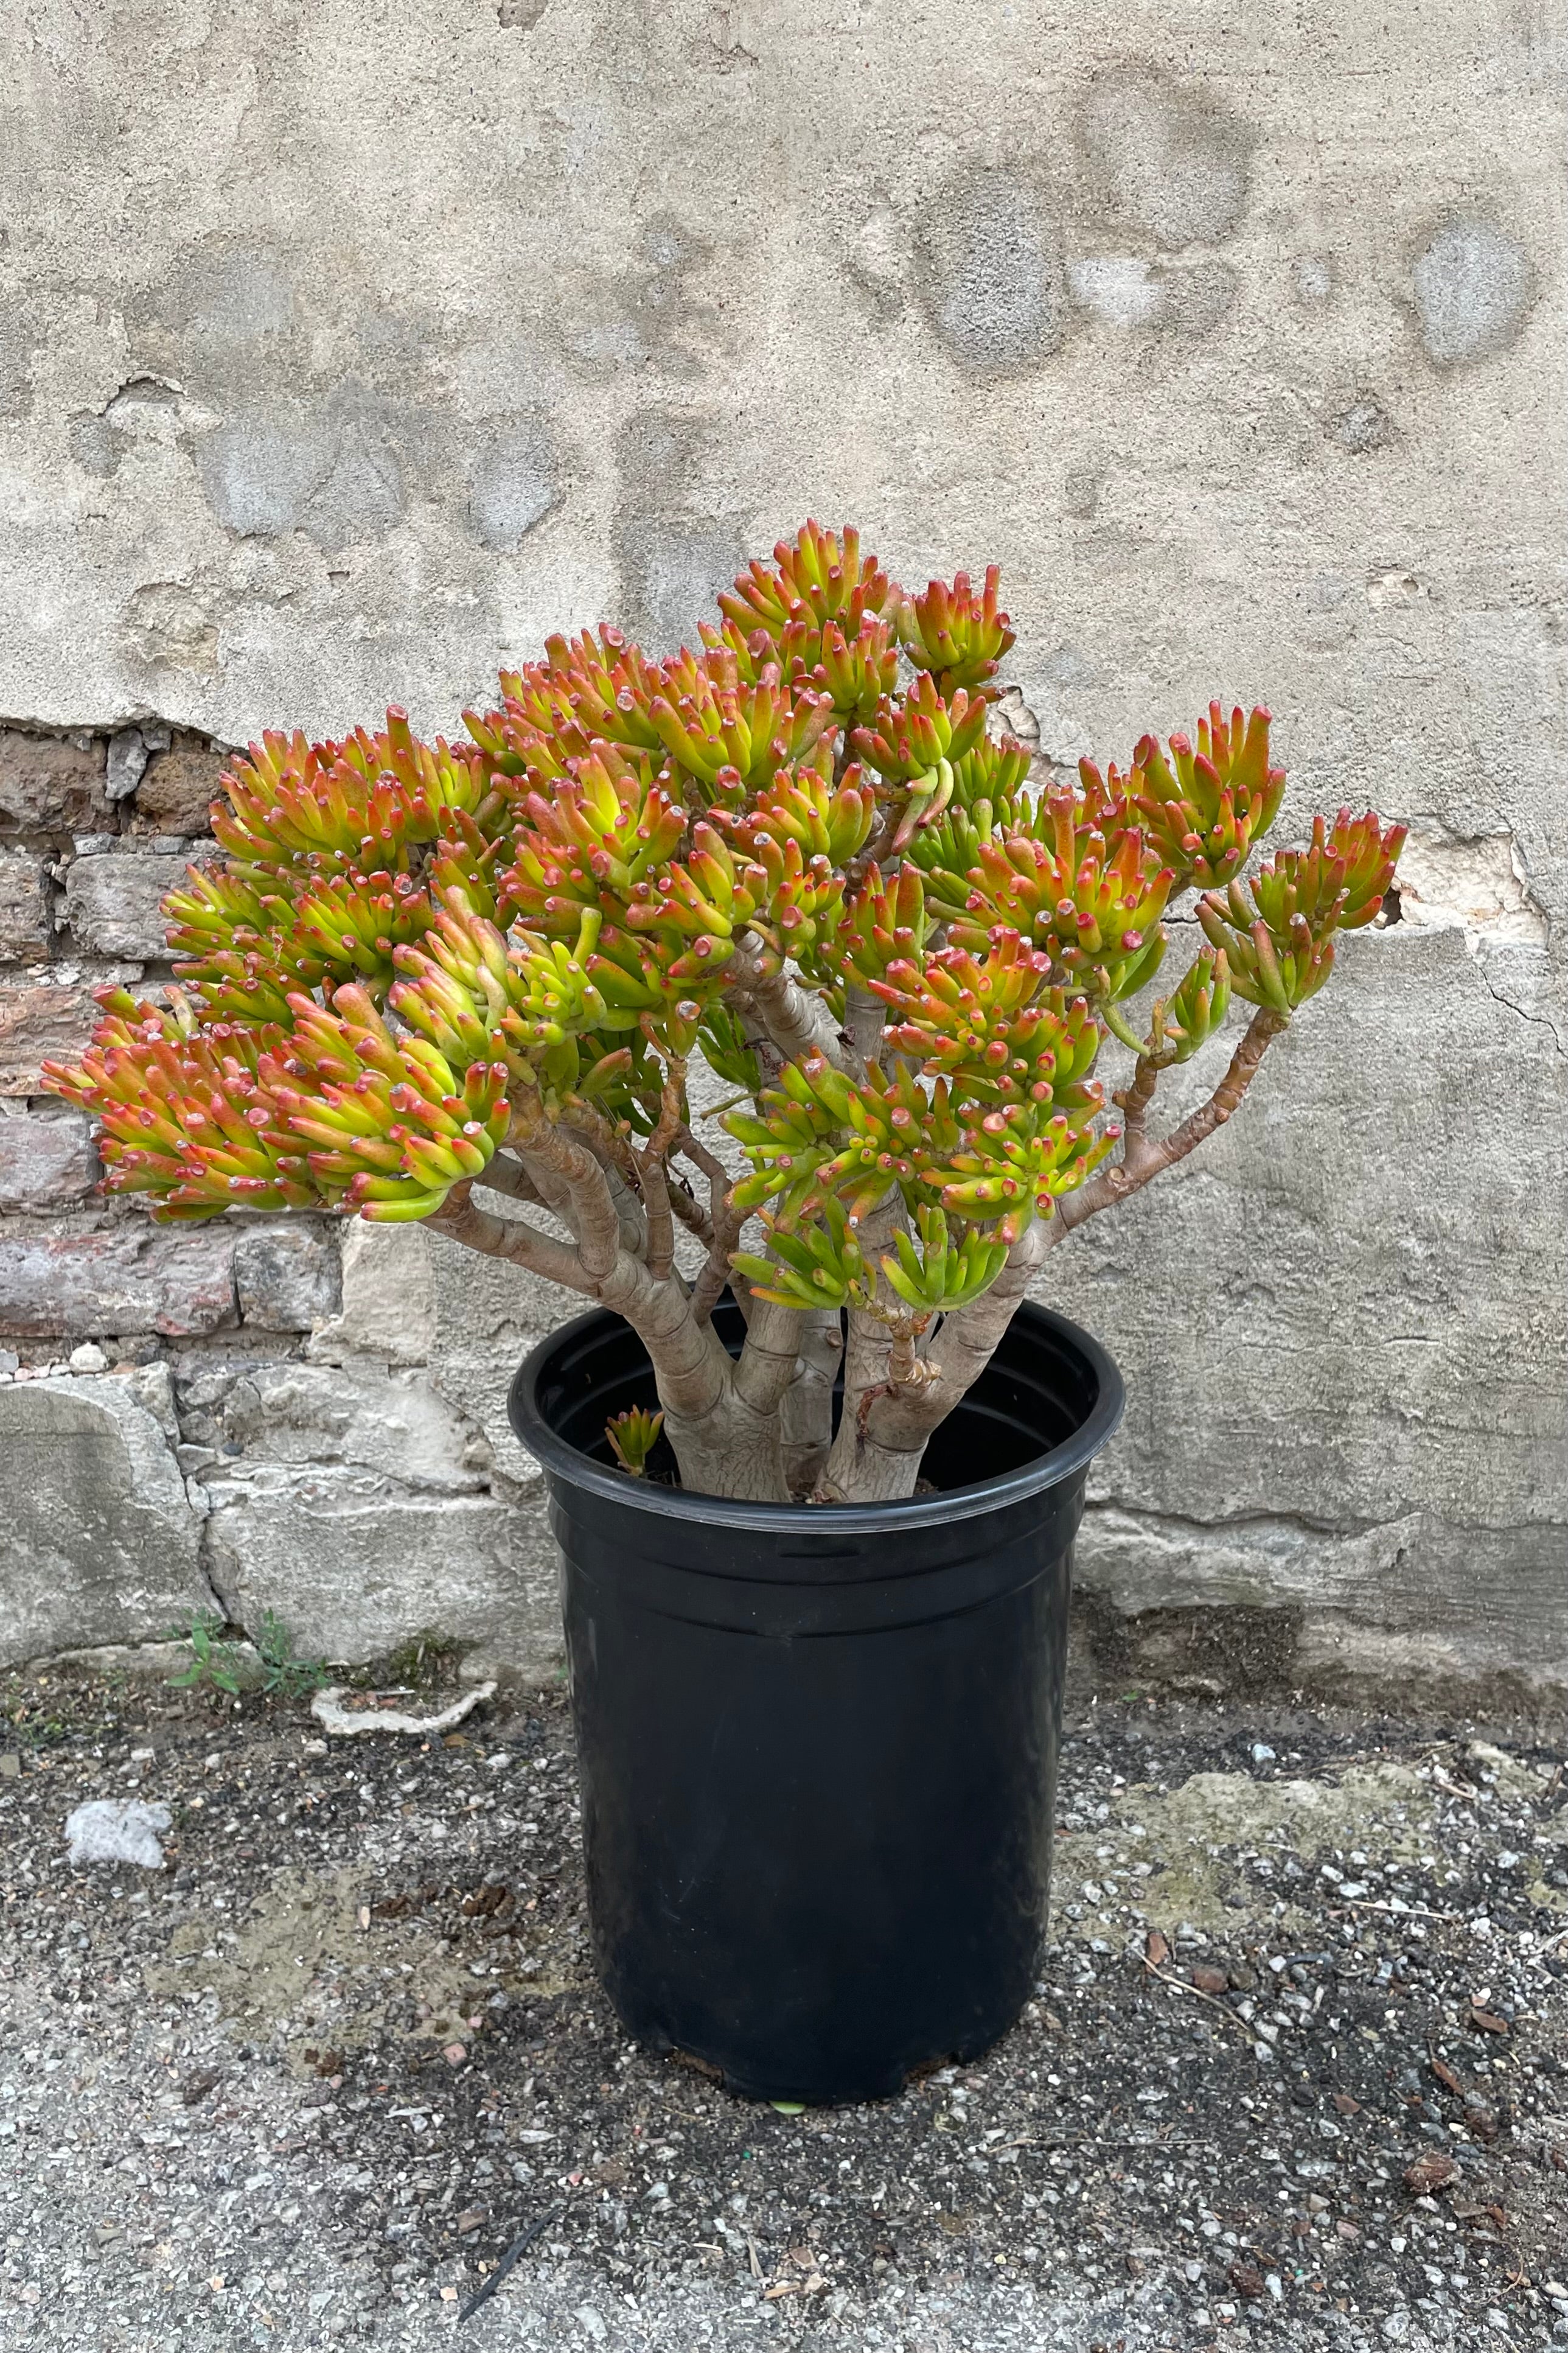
(478, 983)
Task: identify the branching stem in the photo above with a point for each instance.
(797, 1023)
(551, 1152)
(1143, 1157)
(724, 1225)
(864, 1019)
(512, 1238)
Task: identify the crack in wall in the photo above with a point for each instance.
(224, 1604)
(1302, 1521)
(204, 1567)
(1536, 1020)
(82, 732)
(1305, 1524)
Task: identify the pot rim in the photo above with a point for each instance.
(566, 1463)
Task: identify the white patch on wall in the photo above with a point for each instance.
(1386, 588)
(1120, 290)
(1480, 886)
(155, 408)
(1313, 276)
(880, 259)
(1018, 718)
(388, 1298)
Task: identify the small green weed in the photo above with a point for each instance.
(215, 1663)
(281, 1671)
(219, 1665)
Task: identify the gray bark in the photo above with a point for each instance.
(805, 1412)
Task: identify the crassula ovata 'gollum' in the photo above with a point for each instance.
(426, 975)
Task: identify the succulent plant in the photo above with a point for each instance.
(799, 854)
(633, 1435)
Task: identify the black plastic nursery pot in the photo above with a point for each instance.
(818, 1743)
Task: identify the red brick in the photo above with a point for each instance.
(41, 1022)
(49, 784)
(177, 794)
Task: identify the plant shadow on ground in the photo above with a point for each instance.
(1292, 1955)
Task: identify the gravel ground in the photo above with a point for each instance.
(307, 2085)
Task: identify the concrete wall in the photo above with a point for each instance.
(343, 356)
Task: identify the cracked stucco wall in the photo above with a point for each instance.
(337, 369)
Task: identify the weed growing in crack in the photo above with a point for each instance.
(217, 1664)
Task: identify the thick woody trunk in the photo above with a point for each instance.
(881, 1443)
(805, 1412)
(855, 1471)
(720, 1417)
(730, 1451)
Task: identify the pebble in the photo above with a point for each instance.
(88, 1358)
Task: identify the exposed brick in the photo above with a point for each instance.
(114, 897)
(177, 791)
(41, 1022)
(46, 1159)
(130, 1277)
(285, 1277)
(24, 903)
(49, 784)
